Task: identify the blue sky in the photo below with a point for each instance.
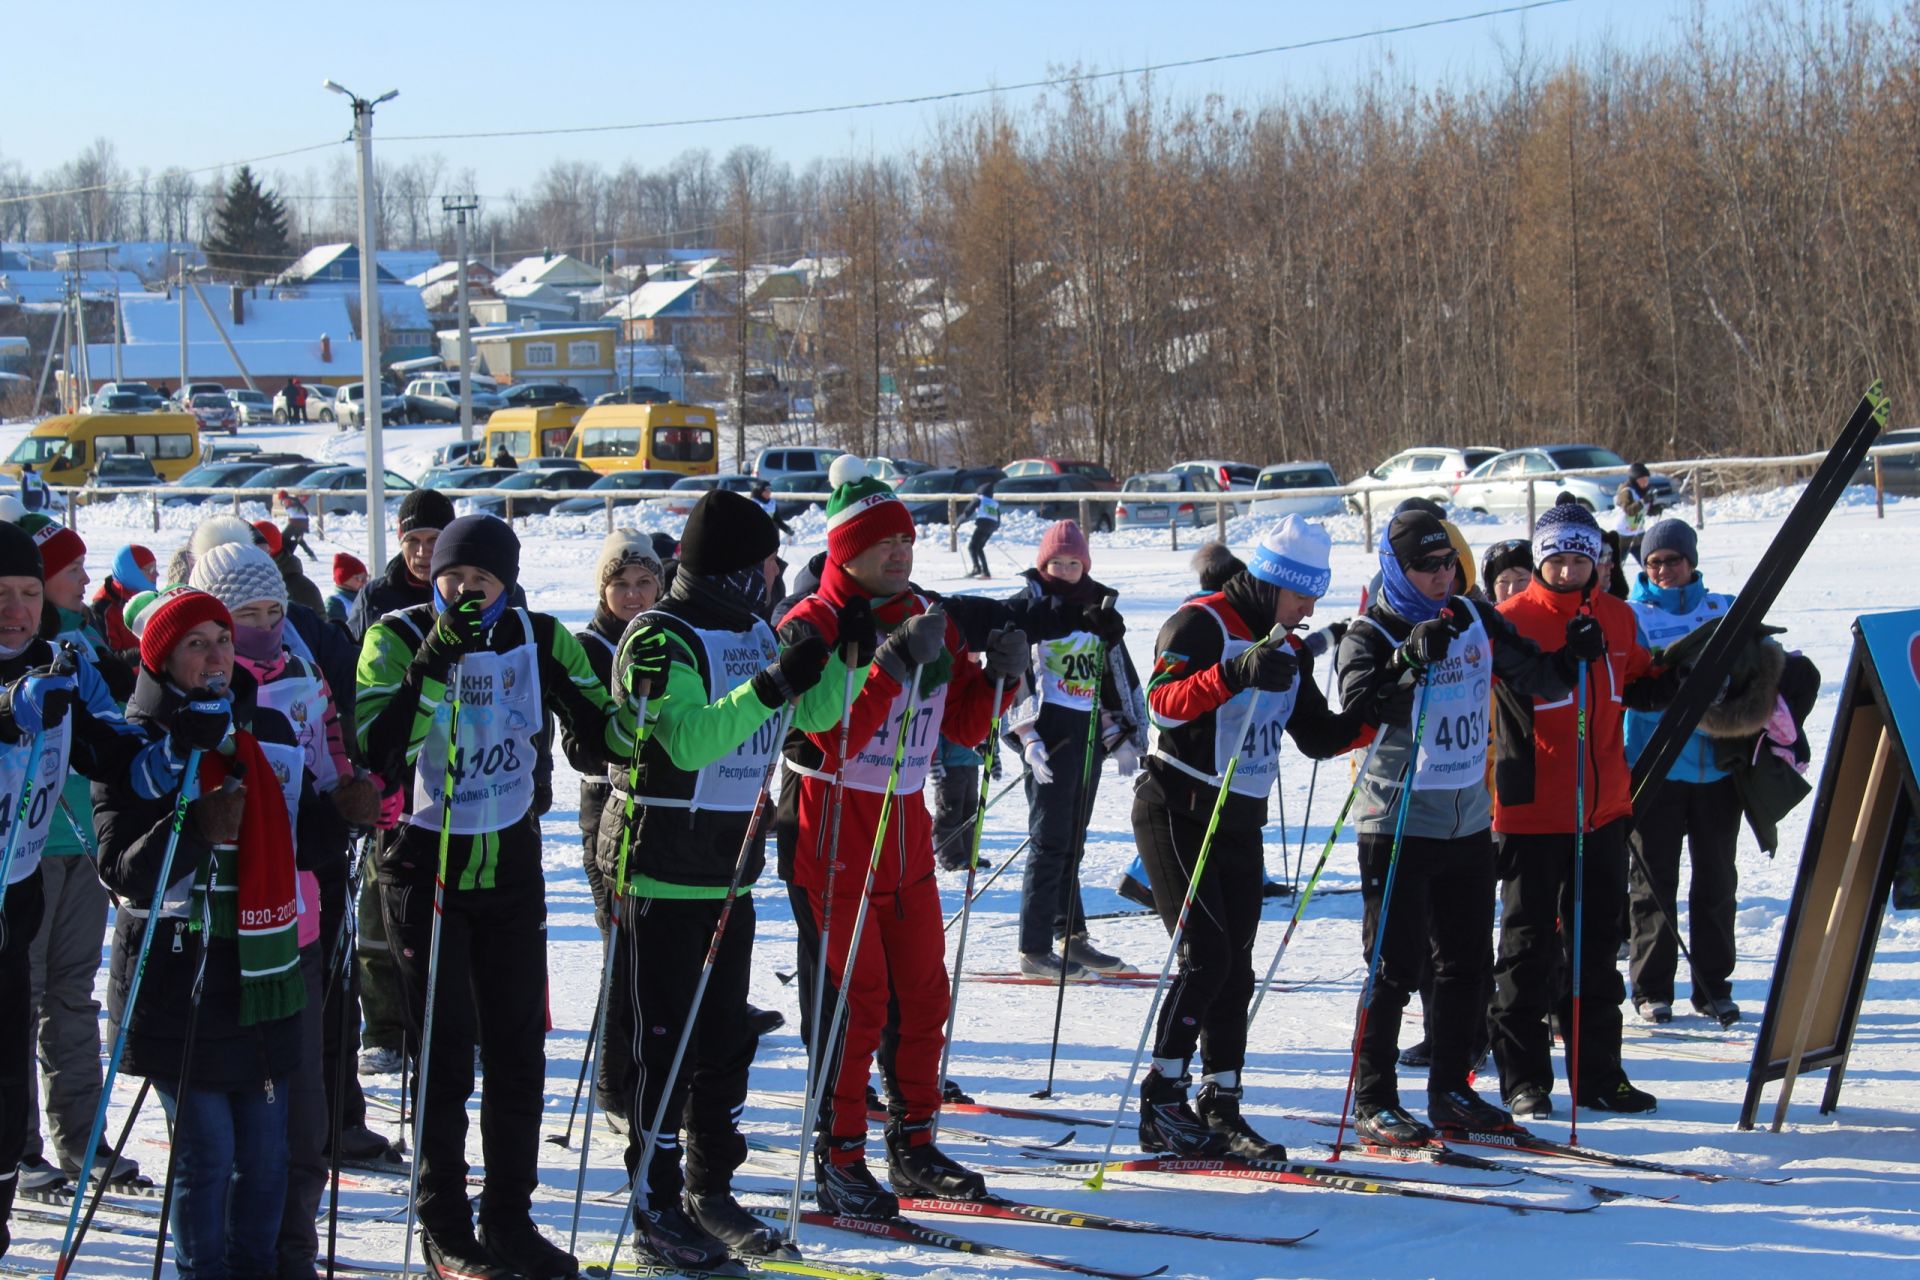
(205, 82)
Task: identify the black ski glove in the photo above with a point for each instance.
(458, 631)
(1104, 621)
(857, 631)
(914, 643)
(1586, 640)
(797, 670)
(1429, 641)
(203, 722)
(1006, 654)
(1270, 667)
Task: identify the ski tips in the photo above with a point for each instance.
(1876, 395)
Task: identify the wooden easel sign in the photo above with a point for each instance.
(1866, 800)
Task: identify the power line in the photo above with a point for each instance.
(128, 188)
(959, 94)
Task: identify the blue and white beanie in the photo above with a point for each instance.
(1294, 555)
(1567, 528)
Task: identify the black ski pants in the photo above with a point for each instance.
(1536, 894)
(1206, 1002)
(19, 923)
(1050, 906)
(666, 940)
(1706, 816)
(491, 990)
(1441, 914)
(977, 545)
(956, 799)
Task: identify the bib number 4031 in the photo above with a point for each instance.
(1463, 732)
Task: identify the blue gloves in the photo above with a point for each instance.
(40, 699)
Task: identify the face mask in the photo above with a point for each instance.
(261, 644)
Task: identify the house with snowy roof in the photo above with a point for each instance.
(334, 270)
(275, 337)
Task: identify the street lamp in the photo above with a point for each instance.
(370, 404)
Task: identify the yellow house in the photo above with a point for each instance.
(580, 357)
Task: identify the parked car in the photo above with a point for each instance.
(799, 482)
(288, 474)
(942, 480)
(215, 412)
(349, 407)
(1282, 476)
(437, 399)
(229, 450)
(792, 459)
(1226, 475)
(123, 471)
(593, 497)
(1899, 473)
(1091, 474)
(251, 407)
(184, 396)
(1099, 515)
(534, 493)
(552, 464)
(1499, 485)
(1156, 499)
(459, 451)
(343, 490)
(538, 395)
(766, 397)
(105, 401)
(214, 475)
(320, 406)
(634, 395)
(148, 399)
(1439, 468)
(687, 491)
(928, 396)
(463, 477)
(894, 470)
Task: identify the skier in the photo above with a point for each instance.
(1536, 742)
(294, 706)
(1420, 664)
(1209, 678)
(629, 576)
(278, 544)
(349, 580)
(1061, 693)
(717, 683)
(235, 860)
(34, 495)
(1633, 506)
(133, 571)
(514, 668)
(985, 510)
(763, 498)
(1697, 804)
(866, 584)
(80, 731)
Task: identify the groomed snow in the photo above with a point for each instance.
(1850, 1208)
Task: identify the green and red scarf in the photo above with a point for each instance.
(255, 898)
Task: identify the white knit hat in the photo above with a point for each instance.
(623, 548)
(1295, 554)
(215, 530)
(237, 574)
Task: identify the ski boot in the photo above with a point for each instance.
(677, 1240)
(1463, 1109)
(37, 1175)
(950, 1091)
(1218, 1105)
(1530, 1102)
(1658, 1012)
(847, 1187)
(1082, 952)
(516, 1243)
(1168, 1124)
(451, 1253)
(1391, 1126)
(764, 1022)
(720, 1216)
(1720, 1008)
(1620, 1097)
(915, 1166)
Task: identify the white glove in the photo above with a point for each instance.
(1035, 754)
(1126, 758)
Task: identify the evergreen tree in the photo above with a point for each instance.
(250, 236)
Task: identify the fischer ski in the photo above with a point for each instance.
(1437, 1152)
(1016, 1210)
(1529, 1143)
(1277, 1169)
(919, 1233)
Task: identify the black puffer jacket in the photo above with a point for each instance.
(133, 835)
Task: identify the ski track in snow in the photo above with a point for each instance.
(1851, 1201)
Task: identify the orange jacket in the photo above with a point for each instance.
(1535, 740)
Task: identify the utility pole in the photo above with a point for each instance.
(460, 207)
(181, 259)
(370, 404)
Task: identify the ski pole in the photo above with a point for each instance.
(1306, 818)
(986, 803)
(596, 1036)
(1083, 806)
(824, 1077)
(1099, 1179)
(1305, 895)
(119, 1146)
(975, 895)
(1386, 901)
(79, 830)
(966, 899)
(433, 975)
(1579, 894)
(195, 992)
(189, 790)
(652, 1142)
(565, 1140)
(346, 942)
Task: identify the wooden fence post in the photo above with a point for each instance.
(1879, 490)
(953, 526)
(1699, 498)
(1531, 502)
(1366, 513)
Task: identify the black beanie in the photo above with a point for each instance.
(19, 554)
(1414, 535)
(484, 542)
(1514, 553)
(1426, 505)
(425, 509)
(726, 533)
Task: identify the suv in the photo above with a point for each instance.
(251, 407)
(928, 394)
(1281, 476)
(349, 406)
(1091, 475)
(123, 470)
(778, 460)
(1099, 514)
(1226, 475)
(540, 395)
(634, 395)
(766, 397)
(962, 480)
(437, 399)
(1499, 486)
(1439, 468)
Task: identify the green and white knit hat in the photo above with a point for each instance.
(862, 511)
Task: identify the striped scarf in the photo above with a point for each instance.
(254, 896)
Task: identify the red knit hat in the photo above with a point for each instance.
(269, 536)
(59, 547)
(862, 511)
(344, 567)
(168, 619)
(1063, 538)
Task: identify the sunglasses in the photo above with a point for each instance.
(1666, 562)
(1434, 564)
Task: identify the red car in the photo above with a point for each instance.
(215, 412)
(1095, 476)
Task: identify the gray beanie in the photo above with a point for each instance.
(237, 574)
(1671, 535)
(623, 549)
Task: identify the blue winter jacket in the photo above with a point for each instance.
(1690, 604)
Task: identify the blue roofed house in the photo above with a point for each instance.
(309, 338)
(406, 333)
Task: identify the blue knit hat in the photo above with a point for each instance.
(1294, 555)
(1567, 528)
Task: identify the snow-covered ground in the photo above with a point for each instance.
(1850, 1205)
